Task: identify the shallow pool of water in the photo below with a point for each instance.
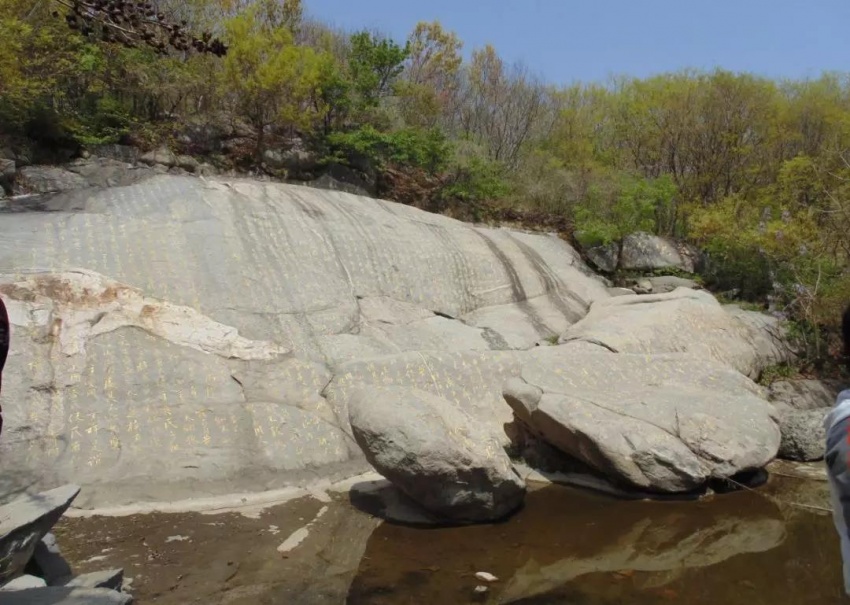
(566, 546)
(577, 548)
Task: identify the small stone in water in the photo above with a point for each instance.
(480, 589)
(486, 577)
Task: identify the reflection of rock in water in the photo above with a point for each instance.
(561, 536)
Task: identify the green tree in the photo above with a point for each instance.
(641, 204)
(271, 81)
(375, 63)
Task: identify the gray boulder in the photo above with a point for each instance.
(667, 283)
(46, 179)
(621, 292)
(126, 154)
(161, 156)
(642, 286)
(106, 172)
(803, 394)
(436, 454)
(645, 252)
(295, 157)
(187, 163)
(803, 434)
(61, 595)
(683, 321)
(342, 178)
(663, 423)
(24, 522)
(605, 258)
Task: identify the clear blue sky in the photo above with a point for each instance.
(589, 40)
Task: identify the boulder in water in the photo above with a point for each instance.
(435, 453)
(666, 423)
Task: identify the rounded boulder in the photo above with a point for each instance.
(435, 453)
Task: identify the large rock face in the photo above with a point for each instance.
(471, 381)
(664, 423)
(435, 453)
(683, 321)
(182, 337)
(644, 251)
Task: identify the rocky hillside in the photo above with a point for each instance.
(182, 336)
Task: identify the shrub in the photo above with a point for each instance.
(425, 149)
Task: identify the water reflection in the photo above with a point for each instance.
(572, 547)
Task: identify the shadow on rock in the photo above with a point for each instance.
(563, 535)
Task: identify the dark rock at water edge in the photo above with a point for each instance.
(23, 524)
(47, 562)
(384, 500)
